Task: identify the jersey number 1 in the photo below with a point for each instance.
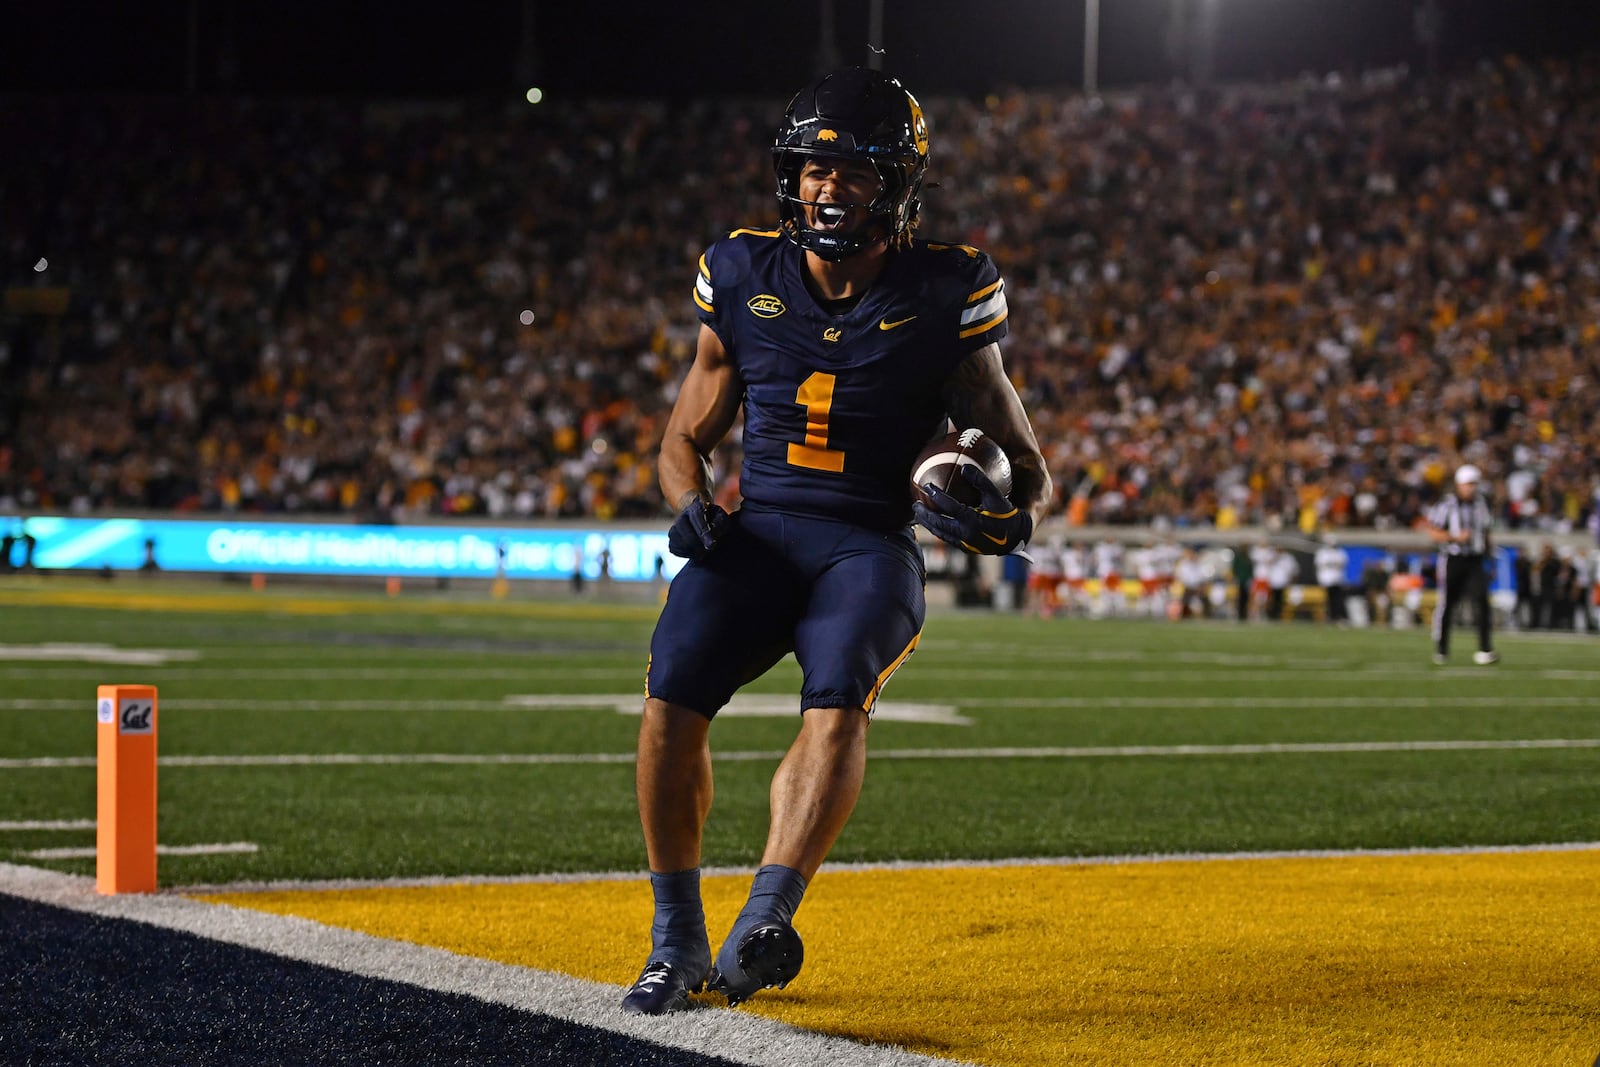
(816, 396)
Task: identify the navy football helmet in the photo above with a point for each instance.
(860, 114)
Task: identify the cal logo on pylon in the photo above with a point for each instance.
(136, 715)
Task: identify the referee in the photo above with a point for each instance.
(1460, 524)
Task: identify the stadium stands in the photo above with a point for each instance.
(1297, 304)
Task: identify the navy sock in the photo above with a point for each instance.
(774, 895)
(678, 935)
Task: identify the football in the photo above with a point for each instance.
(938, 463)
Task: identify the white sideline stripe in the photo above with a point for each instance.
(733, 1035)
(161, 850)
(525, 675)
(1044, 664)
(95, 653)
(971, 701)
(1044, 752)
(436, 881)
(226, 704)
(1261, 749)
(1510, 700)
(535, 673)
(745, 705)
(48, 824)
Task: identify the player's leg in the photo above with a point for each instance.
(673, 780)
(725, 622)
(1449, 577)
(1478, 585)
(862, 621)
(816, 787)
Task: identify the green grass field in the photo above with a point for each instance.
(315, 673)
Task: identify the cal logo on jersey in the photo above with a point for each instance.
(766, 306)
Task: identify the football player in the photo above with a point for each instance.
(848, 343)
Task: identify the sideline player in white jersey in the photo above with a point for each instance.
(1074, 574)
(1044, 580)
(1194, 578)
(1108, 563)
(1331, 562)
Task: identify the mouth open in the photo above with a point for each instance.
(830, 216)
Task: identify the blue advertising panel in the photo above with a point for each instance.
(308, 548)
(1425, 563)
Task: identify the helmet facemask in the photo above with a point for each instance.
(889, 213)
(863, 116)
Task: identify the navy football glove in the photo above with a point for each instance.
(697, 529)
(994, 528)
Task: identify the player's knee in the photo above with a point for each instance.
(836, 726)
(673, 721)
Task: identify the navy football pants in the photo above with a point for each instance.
(847, 601)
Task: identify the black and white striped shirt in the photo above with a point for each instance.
(1456, 516)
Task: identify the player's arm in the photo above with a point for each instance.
(978, 393)
(1439, 534)
(707, 404)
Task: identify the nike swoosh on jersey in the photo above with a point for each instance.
(885, 324)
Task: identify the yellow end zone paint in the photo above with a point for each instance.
(1369, 960)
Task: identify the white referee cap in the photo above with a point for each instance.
(1467, 474)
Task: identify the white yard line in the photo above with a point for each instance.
(1377, 702)
(631, 702)
(224, 848)
(231, 704)
(98, 653)
(734, 1035)
(549, 672)
(1039, 752)
(48, 824)
(292, 674)
(744, 705)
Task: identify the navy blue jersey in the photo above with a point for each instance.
(836, 407)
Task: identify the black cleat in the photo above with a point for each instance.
(661, 988)
(770, 955)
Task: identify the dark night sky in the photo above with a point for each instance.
(715, 47)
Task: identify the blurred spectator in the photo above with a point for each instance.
(1243, 569)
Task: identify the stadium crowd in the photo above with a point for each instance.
(1299, 304)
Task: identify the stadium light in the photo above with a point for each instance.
(875, 35)
(1091, 46)
(535, 95)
